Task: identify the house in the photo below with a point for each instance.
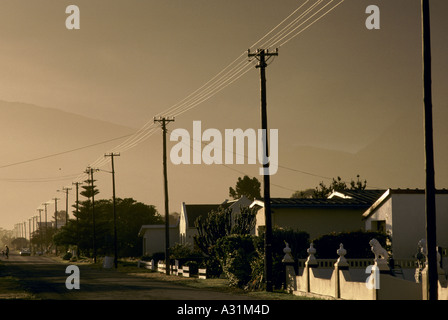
(190, 212)
(154, 237)
(339, 212)
(401, 213)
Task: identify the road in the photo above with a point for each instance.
(46, 279)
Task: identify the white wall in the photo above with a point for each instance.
(405, 218)
(154, 238)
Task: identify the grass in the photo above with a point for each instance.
(10, 287)
(222, 285)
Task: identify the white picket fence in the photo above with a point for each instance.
(175, 269)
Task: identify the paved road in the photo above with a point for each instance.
(46, 279)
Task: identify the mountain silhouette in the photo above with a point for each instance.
(45, 149)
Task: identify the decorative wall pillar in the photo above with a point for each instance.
(310, 262)
(290, 273)
(340, 265)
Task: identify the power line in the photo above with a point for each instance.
(63, 152)
(235, 70)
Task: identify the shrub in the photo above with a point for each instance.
(157, 256)
(298, 242)
(193, 267)
(235, 253)
(67, 256)
(184, 252)
(356, 243)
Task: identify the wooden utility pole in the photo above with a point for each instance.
(46, 225)
(163, 121)
(431, 238)
(262, 56)
(66, 189)
(76, 184)
(40, 228)
(112, 155)
(56, 221)
(90, 172)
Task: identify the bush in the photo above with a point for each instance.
(157, 256)
(193, 267)
(235, 253)
(184, 252)
(298, 242)
(67, 256)
(356, 243)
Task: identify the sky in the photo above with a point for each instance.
(131, 60)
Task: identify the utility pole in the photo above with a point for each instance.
(46, 224)
(40, 228)
(262, 56)
(431, 238)
(66, 189)
(56, 220)
(112, 155)
(77, 214)
(90, 172)
(29, 232)
(163, 121)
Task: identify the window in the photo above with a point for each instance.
(379, 226)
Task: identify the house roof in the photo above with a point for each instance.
(145, 227)
(200, 210)
(356, 199)
(363, 196)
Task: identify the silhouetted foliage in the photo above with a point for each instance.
(130, 214)
(356, 243)
(250, 188)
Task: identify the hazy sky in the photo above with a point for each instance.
(133, 59)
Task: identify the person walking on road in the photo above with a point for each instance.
(7, 252)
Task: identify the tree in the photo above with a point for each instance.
(251, 188)
(131, 215)
(322, 191)
(217, 225)
(307, 193)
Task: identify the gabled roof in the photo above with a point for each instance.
(356, 199)
(193, 211)
(145, 227)
(198, 210)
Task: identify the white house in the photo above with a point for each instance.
(154, 237)
(401, 213)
